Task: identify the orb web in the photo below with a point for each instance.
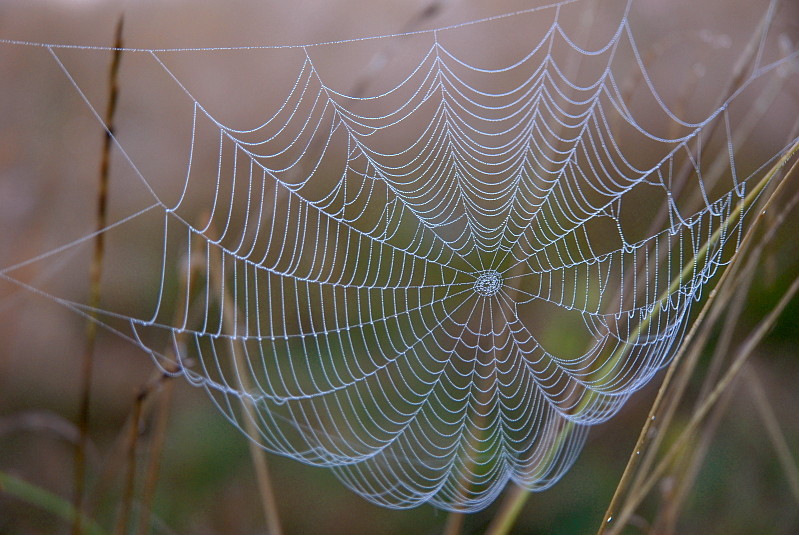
(379, 277)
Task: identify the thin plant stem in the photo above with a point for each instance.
(689, 354)
(667, 389)
(690, 464)
(687, 466)
(95, 277)
(741, 358)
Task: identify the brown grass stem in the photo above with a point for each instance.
(730, 285)
(95, 278)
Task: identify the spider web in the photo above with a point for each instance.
(372, 281)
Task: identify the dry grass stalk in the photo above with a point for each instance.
(95, 276)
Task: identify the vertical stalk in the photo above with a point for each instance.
(95, 276)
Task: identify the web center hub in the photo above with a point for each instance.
(488, 283)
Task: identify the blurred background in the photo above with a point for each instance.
(50, 149)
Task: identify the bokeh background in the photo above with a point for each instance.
(50, 146)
